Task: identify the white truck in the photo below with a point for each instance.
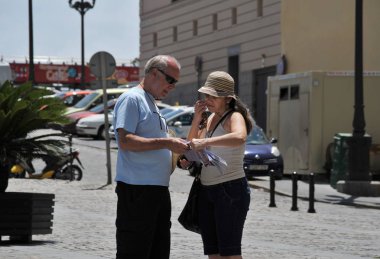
(5, 72)
(306, 110)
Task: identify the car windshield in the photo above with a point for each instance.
(60, 95)
(129, 85)
(166, 110)
(86, 100)
(257, 137)
(171, 114)
(100, 107)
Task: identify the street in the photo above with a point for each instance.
(85, 213)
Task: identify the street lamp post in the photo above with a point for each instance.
(358, 182)
(82, 7)
(359, 144)
(31, 55)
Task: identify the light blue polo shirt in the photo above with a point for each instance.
(136, 112)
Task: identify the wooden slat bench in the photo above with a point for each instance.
(25, 214)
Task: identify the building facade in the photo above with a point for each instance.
(254, 39)
(241, 37)
(320, 35)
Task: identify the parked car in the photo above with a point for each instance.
(94, 125)
(95, 98)
(76, 116)
(261, 155)
(70, 98)
(111, 132)
(179, 121)
(129, 84)
(167, 110)
(162, 105)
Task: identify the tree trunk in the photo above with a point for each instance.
(4, 176)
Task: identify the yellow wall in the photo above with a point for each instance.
(330, 110)
(319, 34)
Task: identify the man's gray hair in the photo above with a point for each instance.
(160, 62)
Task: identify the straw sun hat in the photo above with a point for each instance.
(219, 84)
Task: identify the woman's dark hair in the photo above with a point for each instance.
(239, 106)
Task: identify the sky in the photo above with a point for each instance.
(111, 26)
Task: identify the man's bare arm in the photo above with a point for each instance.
(132, 142)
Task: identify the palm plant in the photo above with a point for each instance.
(23, 110)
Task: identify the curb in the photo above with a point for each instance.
(282, 193)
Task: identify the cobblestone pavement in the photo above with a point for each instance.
(84, 225)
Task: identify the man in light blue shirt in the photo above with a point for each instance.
(144, 164)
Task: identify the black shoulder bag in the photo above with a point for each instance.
(189, 217)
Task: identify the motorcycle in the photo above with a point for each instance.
(55, 167)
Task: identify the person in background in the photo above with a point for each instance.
(144, 164)
(225, 196)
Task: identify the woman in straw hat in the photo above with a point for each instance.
(225, 195)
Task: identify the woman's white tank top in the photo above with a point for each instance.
(232, 155)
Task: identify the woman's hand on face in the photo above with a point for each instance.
(199, 108)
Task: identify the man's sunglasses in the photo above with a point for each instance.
(168, 78)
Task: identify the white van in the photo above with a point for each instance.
(95, 98)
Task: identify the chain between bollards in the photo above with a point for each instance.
(311, 194)
(272, 186)
(294, 192)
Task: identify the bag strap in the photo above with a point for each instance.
(220, 121)
(198, 174)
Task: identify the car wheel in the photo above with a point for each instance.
(101, 133)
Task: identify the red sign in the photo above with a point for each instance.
(68, 74)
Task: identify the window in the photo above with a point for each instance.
(175, 34)
(294, 92)
(233, 15)
(185, 120)
(195, 28)
(215, 21)
(289, 92)
(259, 8)
(284, 93)
(233, 70)
(155, 39)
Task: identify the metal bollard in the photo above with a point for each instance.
(294, 192)
(311, 194)
(272, 188)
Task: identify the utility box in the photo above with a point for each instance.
(306, 110)
(340, 158)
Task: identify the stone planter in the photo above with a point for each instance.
(25, 214)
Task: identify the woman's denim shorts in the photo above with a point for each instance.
(222, 211)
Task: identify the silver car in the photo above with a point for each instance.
(94, 125)
(180, 120)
